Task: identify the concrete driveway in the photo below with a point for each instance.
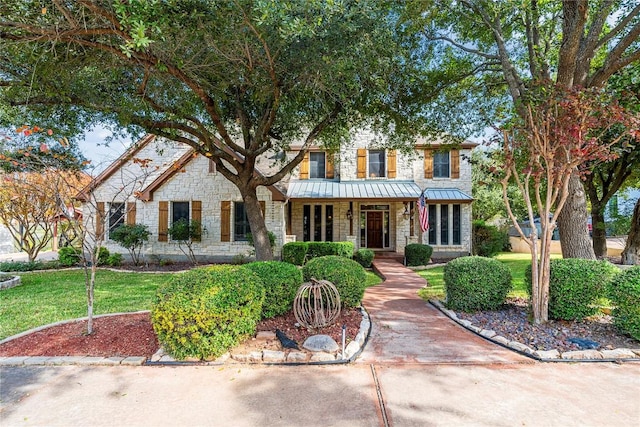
(586, 394)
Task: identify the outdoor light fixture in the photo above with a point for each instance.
(349, 214)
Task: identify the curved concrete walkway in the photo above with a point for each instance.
(406, 329)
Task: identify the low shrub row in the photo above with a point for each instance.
(205, 311)
(575, 288)
(298, 253)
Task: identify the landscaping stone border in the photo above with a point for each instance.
(271, 357)
(11, 283)
(615, 355)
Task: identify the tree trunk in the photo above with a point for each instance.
(631, 253)
(572, 223)
(256, 222)
(599, 230)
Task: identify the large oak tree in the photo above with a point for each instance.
(235, 80)
(512, 44)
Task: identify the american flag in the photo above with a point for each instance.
(423, 210)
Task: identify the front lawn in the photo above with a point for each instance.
(47, 297)
(517, 263)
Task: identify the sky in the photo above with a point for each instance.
(93, 147)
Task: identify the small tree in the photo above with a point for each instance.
(561, 131)
(131, 237)
(186, 232)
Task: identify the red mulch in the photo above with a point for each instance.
(133, 335)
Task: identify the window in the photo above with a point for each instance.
(179, 210)
(240, 222)
(317, 165)
(314, 224)
(377, 164)
(441, 165)
(433, 240)
(445, 228)
(116, 215)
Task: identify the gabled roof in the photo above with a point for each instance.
(146, 195)
(135, 148)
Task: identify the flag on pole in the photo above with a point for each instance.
(423, 211)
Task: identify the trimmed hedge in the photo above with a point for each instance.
(347, 275)
(624, 292)
(295, 252)
(204, 312)
(298, 253)
(575, 285)
(364, 257)
(476, 283)
(417, 254)
(281, 282)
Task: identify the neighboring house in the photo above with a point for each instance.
(364, 194)
(622, 203)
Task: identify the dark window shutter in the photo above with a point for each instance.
(100, 220)
(196, 215)
(428, 164)
(455, 164)
(225, 221)
(131, 213)
(362, 163)
(304, 167)
(163, 221)
(391, 164)
(330, 167)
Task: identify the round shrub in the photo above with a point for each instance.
(575, 285)
(347, 275)
(204, 312)
(417, 254)
(281, 282)
(68, 256)
(489, 240)
(624, 293)
(476, 283)
(364, 257)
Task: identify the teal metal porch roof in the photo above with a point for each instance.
(374, 189)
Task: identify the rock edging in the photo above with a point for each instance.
(271, 357)
(11, 283)
(615, 355)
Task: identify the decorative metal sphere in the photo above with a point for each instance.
(317, 304)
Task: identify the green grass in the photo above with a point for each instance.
(517, 263)
(47, 297)
(372, 279)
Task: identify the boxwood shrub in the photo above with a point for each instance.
(364, 257)
(204, 312)
(417, 254)
(624, 293)
(68, 256)
(281, 282)
(489, 240)
(295, 252)
(347, 275)
(575, 285)
(476, 283)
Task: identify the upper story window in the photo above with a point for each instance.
(116, 215)
(317, 165)
(441, 165)
(377, 164)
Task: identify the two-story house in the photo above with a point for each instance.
(363, 193)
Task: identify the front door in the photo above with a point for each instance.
(374, 230)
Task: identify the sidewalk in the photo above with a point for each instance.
(22, 256)
(406, 329)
